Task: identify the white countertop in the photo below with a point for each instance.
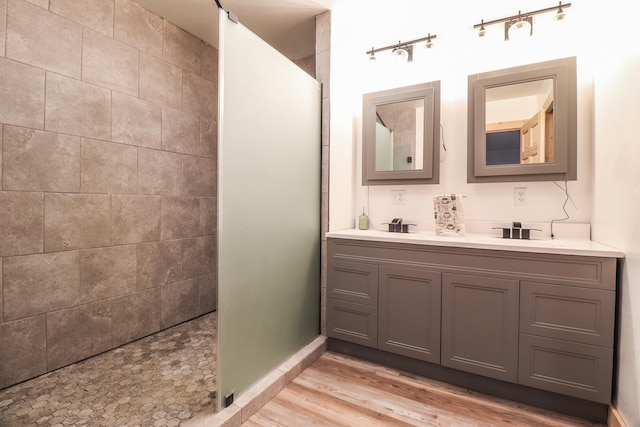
(583, 247)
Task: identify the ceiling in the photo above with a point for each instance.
(287, 25)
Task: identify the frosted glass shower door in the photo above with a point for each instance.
(269, 208)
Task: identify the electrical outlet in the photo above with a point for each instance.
(397, 197)
(520, 196)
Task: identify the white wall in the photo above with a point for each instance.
(607, 191)
(616, 182)
(457, 52)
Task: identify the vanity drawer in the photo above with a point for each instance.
(353, 281)
(568, 313)
(573, 369)
(351, 322)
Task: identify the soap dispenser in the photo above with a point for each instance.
(363, 221)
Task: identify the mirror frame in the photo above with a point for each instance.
(563, 73)
(430, 173)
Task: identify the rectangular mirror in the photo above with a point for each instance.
(401, 138)
(522, 123)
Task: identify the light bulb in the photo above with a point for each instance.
(401, 54)
(482, 31)
(520, 29)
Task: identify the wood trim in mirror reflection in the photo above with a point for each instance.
(547, 149)
(408, 120)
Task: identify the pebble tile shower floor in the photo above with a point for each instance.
(161, 380)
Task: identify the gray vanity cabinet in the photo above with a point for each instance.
(409, 312)
(480, 325)
(538, 321)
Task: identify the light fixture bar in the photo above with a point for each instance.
(402, 44)
(522, 15)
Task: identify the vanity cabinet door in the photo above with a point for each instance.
(409, 312)
(480, 325)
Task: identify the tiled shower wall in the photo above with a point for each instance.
(323, 74)
(108, 180)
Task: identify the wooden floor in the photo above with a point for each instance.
(340, 391)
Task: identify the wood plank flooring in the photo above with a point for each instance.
(340, 391)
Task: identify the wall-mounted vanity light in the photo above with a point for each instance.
(521, 24)
(402, 51)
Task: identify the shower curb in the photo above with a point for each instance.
(264, 390)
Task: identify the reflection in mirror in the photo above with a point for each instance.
(399, 125)
(522, 123)
(401, 135)
(519, 123)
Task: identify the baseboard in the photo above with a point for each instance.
(264, 390)
(614, 419)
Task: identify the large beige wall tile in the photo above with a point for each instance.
(209, 63)
(208, 216)
(136, 122)
(95, 14)
(323, 32)
(198, 256)
(35, 284)
(325, 125)
(179, 302)
(42, 3)
(109, 63)
(135, 316)
(76, 221)
(159, 263)
(1, 291)
(21, 229)
(135, 219)
(180, 131)
(207, 293)
(208, 138)
(324, 180)
(199, 176)
(180, 217)
(138, 27)
(160, 81)
(323, 72)
(107, 272)
(181, 48)
(108, 167)
(38, 37)
(77, 333)
(22, 94)
(40, 161)
(22, 353)
(77, 108)
(308, 64)
(3, 25)
(159, 172)
(200, 96)
(1, 138)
